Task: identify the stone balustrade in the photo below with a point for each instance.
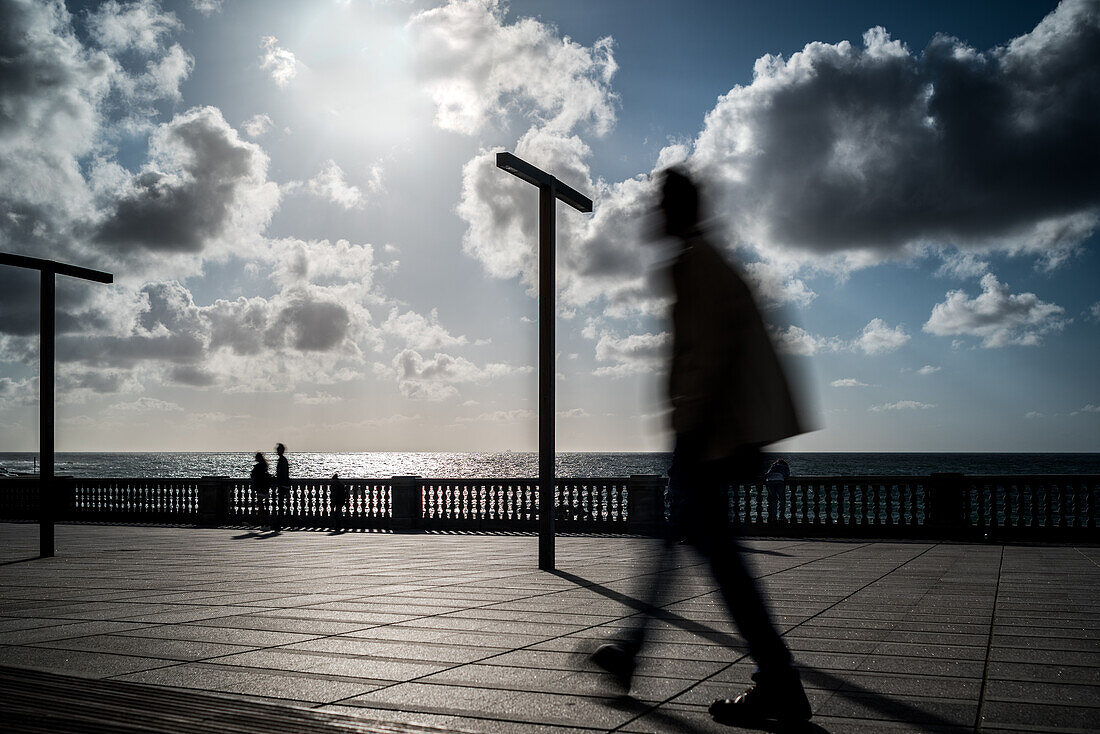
(939, 505)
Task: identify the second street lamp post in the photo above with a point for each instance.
(550, 189)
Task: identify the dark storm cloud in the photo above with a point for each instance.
(44, 69)
(19, 304)
(839, 147)
(94, 380)
(180, 210)
(187, 374)
(311, 325)
(118, 351)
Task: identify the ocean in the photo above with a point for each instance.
(525, 464)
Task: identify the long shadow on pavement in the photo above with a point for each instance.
(890, 707)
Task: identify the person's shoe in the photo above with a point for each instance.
(617, 661)
(779, 699)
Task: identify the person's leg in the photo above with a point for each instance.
(617, 658)
(778, 693)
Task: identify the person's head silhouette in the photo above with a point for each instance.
(280, 449)
(260, 458)
(679, 202)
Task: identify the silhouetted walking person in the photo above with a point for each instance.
(776, 482)
(282, 484)
(337, 497)
(261, 487)
(729, 397)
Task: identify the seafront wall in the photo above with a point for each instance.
(1047, 508)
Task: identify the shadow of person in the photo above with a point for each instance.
(243, 536)
(891, 709)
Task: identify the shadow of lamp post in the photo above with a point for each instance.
(48, 269)
(550, 189)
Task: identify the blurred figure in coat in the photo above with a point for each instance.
(729, 397)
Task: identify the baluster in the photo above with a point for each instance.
(1059, 515)
(1048, 506)
(1090, 504)
(888, 505)
(1080, 492)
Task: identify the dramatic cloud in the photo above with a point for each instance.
(843, 148)
(901, 405)
(996, 316)
(878, 338)
(203, 185)
(138, 25)
(630, 355)
(282, 63)
(848, 382)
(476, 67)
(1090, 408)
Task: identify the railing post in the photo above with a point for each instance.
(405, 503)
(213, 501)
(944, 503)
(645, 504)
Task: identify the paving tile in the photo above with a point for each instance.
(144, 647)
(69, 662)
(269, 684)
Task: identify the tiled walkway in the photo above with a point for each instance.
(463, 632)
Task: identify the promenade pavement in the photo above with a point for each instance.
(185, 629)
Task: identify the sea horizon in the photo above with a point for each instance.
(514, 464)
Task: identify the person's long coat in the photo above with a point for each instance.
(726, 385)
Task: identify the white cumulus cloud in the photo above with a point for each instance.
(281, 62)
(878, 338)
(996, 316)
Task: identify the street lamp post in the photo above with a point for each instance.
(550, 189)
(48, 269)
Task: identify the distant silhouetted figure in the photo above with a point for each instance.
(282, 483)
(261, 487)
(337, 497)
(776, 481)
(729, 397)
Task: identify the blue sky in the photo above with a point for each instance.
(311, 243)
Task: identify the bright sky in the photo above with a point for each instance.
(311, 242)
